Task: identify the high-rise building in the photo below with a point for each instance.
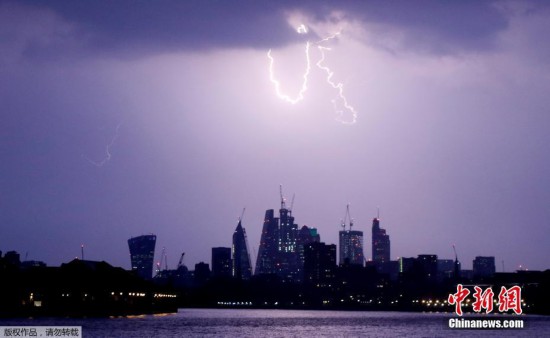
(241, 268)
(306, 235)
(484, 266)
(268, 251)
(351, 247)
(278, 252)
(288, 262)
(221, 262)
(320, 264)
(142, 254)
(380, 243)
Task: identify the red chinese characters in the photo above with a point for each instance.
(458, 298)
(484, 300)
(510, 299)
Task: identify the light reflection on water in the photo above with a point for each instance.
(283, 323)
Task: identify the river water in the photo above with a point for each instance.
(285, 323)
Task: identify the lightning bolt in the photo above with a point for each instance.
(340, 88)
(320, 64)
(300, 96)
(108, 154)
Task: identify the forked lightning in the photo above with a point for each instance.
(346, 114)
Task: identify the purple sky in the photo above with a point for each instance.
(173, 102)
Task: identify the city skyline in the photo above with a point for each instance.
(144, 251)
(169, 119)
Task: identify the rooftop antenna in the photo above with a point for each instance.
(82, 251)
(378, 213)
(503, 265)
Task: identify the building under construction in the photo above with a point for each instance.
(282, 244)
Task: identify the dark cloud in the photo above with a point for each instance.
(172, 25)
(149, 27)
(439, 27)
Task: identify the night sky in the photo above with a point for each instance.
(122, 118)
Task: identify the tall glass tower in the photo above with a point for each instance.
(241, 268)
(279, 251)
(142, 254)
(268, 252)
(380, 243)
(351, 247)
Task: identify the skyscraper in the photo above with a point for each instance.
(268, 252)
(380, 243)
(278, 252)
(221, 262)
(241, 268)
(351, 243)
(351, 247)
(288, 262)
(305, 236)
(142, 254)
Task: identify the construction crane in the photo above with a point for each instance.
(346, 217)
(283, 206)
(292, 203)
(242, 214)
(350, 219)
(162, 257)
